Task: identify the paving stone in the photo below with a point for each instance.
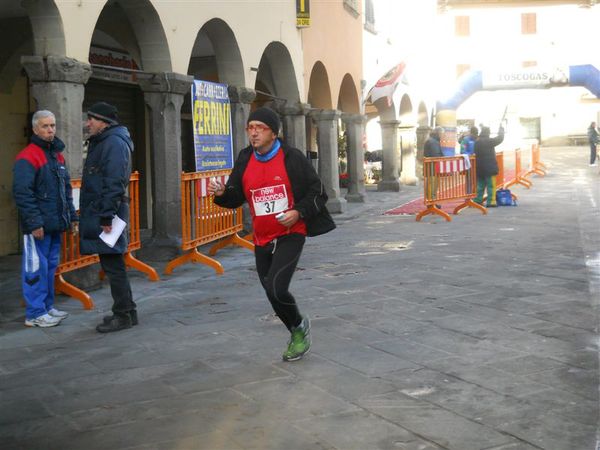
(479, 334)
(374, 433)
(450, 431)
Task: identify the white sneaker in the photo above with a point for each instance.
(593, 165)
(43, 321)
(58, 313)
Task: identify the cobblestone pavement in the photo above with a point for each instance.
(480, 333)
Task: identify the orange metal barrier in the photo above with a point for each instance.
(71, 259)
(536, 166)
(448, 179)
(519, 173)
(500, 178)
(202, 222)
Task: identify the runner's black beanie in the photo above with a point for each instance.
(266, 116)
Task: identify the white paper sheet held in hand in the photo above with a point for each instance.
(118, 225)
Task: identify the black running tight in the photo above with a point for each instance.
(275, 264)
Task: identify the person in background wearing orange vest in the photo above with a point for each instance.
(486, 165)
(287, 203)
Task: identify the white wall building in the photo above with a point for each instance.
(496, 38)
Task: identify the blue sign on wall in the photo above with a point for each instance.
(211, 113)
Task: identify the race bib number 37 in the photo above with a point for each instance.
(270, 200)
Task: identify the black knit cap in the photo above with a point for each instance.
(266, 116)
(104, 112)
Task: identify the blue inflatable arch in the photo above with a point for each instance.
(586, 76)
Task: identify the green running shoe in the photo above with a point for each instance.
(299, 343)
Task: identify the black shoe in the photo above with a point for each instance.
(116, 323)
(438, 206)
(132, 314)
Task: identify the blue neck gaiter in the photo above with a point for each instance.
(270, 154)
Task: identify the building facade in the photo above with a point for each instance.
(142, 56)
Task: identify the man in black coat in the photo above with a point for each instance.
(593, 139)
(104, 205)
(433, 148)
(487, 166)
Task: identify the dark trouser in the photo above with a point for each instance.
(113, 265)
(592, 153)
(275, 264)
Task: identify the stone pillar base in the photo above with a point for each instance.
(86, 278)
(388, 186)
(337, 205)
(355, 198)
(409, 180)
(159, 249)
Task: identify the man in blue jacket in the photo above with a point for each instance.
(42, 192)
(103, 202)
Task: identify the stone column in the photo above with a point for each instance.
(355, 125)
(241, 99)
(422, 135)
(408, 174)
(294, 124)
(163, 94)
(390, 140)
(327, 134)
(57, 84)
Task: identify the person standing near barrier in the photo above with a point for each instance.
(487, 166)
(594, 139)
(104, 201)
(433, 149)
(287, 203)
(467, 144)
(43, 194)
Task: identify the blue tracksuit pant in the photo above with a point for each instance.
(40, 259)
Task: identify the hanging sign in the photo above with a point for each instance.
(302, 13)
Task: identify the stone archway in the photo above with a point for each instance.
(276, 76)
(319, 90)
(423, 118)
(348, 99)
(319, 97)
(136, 26)
(408, 141)
(405, 110)
(353, 124)
(323, 131)
(216, 57)
(49, 38)
(276, 86)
